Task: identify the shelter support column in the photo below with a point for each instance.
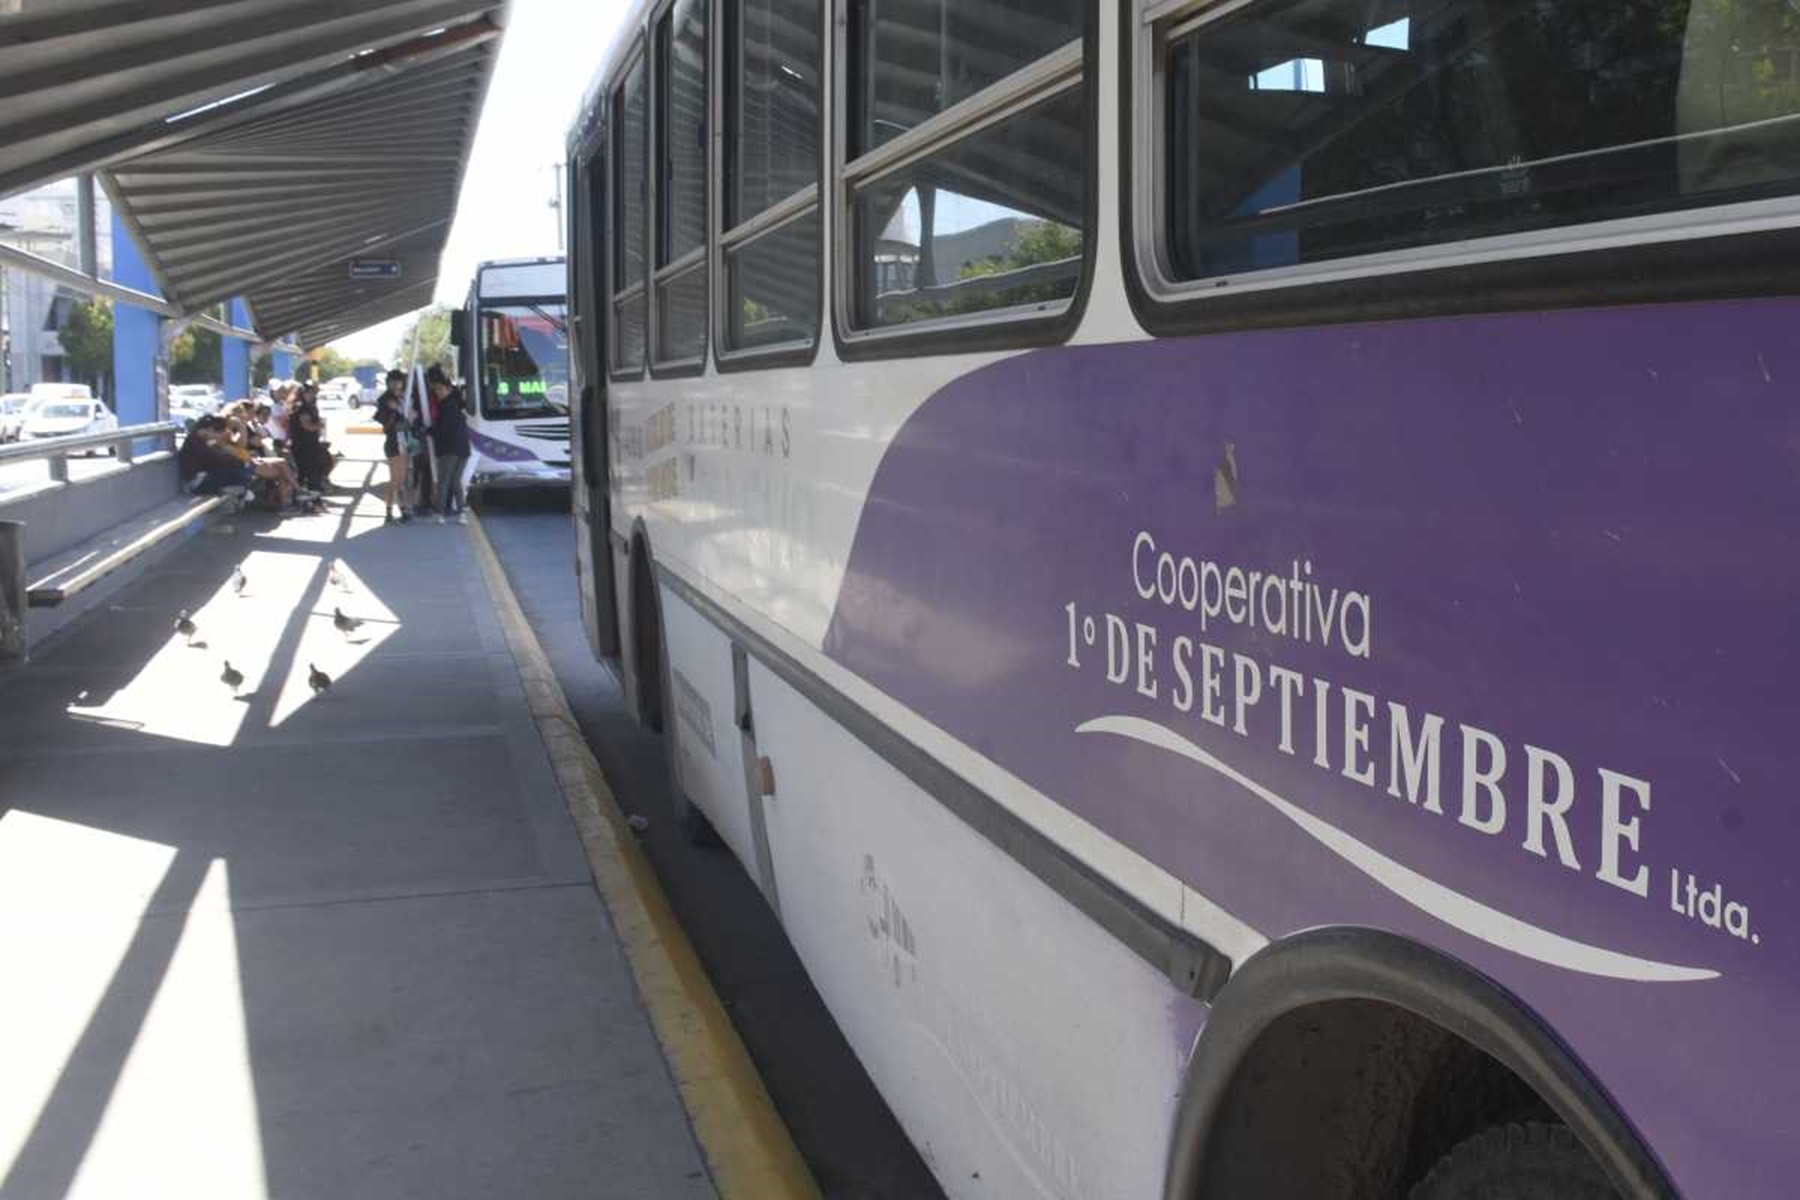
(138, 337)
(234, 355)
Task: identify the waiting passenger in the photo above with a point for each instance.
(450, 441)
(306, 431)
(206, 466)
(390, 415)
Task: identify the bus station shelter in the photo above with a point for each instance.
(282, 172)
(297, 890)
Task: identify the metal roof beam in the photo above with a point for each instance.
(176, 241)
(246, 273)
(195, 48)
(145, 131)
(302, 316)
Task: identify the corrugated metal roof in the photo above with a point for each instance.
(255, 147)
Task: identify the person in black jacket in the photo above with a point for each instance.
(450, 441)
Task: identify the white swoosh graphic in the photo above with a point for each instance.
(1453, 908)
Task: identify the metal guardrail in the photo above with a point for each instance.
(57, 449)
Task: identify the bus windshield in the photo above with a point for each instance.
(524, 359)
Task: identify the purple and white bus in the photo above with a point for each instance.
(1232, 569)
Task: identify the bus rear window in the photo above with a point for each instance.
(1303, 131)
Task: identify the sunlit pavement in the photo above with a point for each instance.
(281, 945)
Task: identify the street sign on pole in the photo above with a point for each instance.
(374, 268)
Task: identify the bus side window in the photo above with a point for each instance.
(629, 202)
(769, 240)
(986, 215)
(681, 183)
(1307, 131)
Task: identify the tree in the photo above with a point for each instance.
(197, 356)
(262, 369)
(87, 342)
(1035, 242)
(330, 364)
(433, 328)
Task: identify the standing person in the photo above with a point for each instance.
(306, 432)
(278, 419)
(450, 439)
(390, 414)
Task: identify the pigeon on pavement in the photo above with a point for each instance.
(231, 677)
(239, 581)
(318, 680)
(185, 627)
(345, 625)
(337, 578)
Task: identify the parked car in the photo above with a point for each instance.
(194, 397)
(43, 393)
(346, 390)
(12, 415)
(186, 409)
(67, 418)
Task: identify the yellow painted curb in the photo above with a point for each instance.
(747, 1146)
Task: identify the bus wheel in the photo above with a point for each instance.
(1533, 1161)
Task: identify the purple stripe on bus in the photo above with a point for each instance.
(1565, 544)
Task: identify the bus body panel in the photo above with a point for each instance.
(925, 941)
(1610, 593)
(707, 760)
(1568, 543)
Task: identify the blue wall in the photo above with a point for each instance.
(136, 335)
(282, 365)
(235, 356)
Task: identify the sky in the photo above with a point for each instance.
(551, 52)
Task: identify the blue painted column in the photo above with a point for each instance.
(234, 356)
(281, 365)
(137, 337)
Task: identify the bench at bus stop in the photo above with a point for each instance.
(65, 543)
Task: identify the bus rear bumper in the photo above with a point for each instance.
(498, 475)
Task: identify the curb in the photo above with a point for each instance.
(747, 1146)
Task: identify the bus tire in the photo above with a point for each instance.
(1537, 1160)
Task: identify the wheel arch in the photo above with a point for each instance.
(1345, 964)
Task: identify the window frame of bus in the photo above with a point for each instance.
(1670, 256)
(792, 208)
(615, 148)
(665, 277)
(1038, 81)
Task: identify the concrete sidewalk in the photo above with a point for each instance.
(293, 946)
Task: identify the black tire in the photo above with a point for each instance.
(1532, 1161)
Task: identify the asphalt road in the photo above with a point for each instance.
(856, 1149)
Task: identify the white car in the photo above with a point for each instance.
(12, 415)
(342, 392)
(201, 398)
(186, 409)
(67, 418)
